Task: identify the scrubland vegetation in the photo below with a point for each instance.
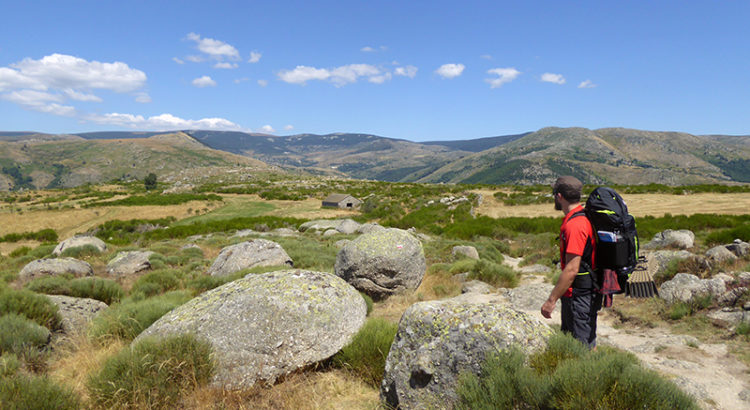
(174, 372)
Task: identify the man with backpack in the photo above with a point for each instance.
(577, 284)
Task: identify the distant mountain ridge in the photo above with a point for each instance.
(606, 156)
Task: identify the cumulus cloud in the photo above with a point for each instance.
(339, 76)
(450, 70)
(226, 65)
(46, 84)
(586, 84)
(162, 122)
(553, 78)
(367, 49)
(267, 129)
(143, 98)
(288, 127)
(216, 49)
(254, 57)
(178, 60)
(204, 81)
(262, 83)
(504, 75)
(408, 71)
(195, 59)
(485, 57)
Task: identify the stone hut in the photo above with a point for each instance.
(343, 201)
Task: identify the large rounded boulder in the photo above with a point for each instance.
(382, 262)
(264, 326)
(76, 313)
(129, 263)
(79, 241)
(438, 340)
(53, 267)
(258, 252)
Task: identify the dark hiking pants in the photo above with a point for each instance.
(579, 314)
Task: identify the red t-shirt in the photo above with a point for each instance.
(574, 233)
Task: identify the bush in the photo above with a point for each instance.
(21, 251)
(79, 252)
(18, 333)
(51, 285)
(495, 274)
(156, 282)
(42, 251)
(105, 290)
(9, 365)
(38, 308)
(33, 392)
(154, 373)
(566, 376)
(366, 354)
(129, 318)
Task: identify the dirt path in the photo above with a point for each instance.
(707, 371)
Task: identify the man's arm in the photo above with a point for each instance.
(568, 275)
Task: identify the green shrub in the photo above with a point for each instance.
(366, 354)
(51, 285)
(105, 290)
(157, 261)
(154, 373)
(565, 376)
(494, 273)
(34, 392)
(42, 251)
(18, 333)
(204, 283)
(9, 365)
(368, 302)
(129, 318)
(79, 252)
(31, 305)
(156, 282)
(21, 251)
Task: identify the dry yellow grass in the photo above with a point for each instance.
(79, 357)
(331, 389)
(638, 205)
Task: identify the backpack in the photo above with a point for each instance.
(616, 236)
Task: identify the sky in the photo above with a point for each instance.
(416, 70)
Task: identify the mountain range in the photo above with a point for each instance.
(601, 156)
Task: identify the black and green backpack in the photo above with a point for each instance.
(616, 236)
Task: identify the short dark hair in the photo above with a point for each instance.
(569, 187)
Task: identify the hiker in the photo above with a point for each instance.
(576, 286)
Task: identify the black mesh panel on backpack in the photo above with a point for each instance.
(617, 238)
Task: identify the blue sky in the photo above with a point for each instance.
(417, 70)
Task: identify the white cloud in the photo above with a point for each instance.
(408, 71)
(553, 78)
(367, 49)
(241, 80)
(79, 96)
(195, 59)
(288, 127)
(504, 75)
(267, 129)
(204, 81)
(177, 60)
(450, 70)
(143, 98)
(63, 71)
(226, 65)
(485, 57)
(254, 57)
(214, 48)
(162, 122)
(339, 76)
(262, 83)
(45, 84)
(586, 84)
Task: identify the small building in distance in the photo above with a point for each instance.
(343, 201)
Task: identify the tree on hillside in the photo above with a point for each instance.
(150, 181)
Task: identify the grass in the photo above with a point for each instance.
(567, 375)
(102, 289)
(129, 318)
(154, 373)
(17, 333)
(365, 355)
(24, 392)
(30, 305)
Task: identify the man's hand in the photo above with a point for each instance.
(548, 307)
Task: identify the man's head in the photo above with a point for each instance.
(569, 188)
